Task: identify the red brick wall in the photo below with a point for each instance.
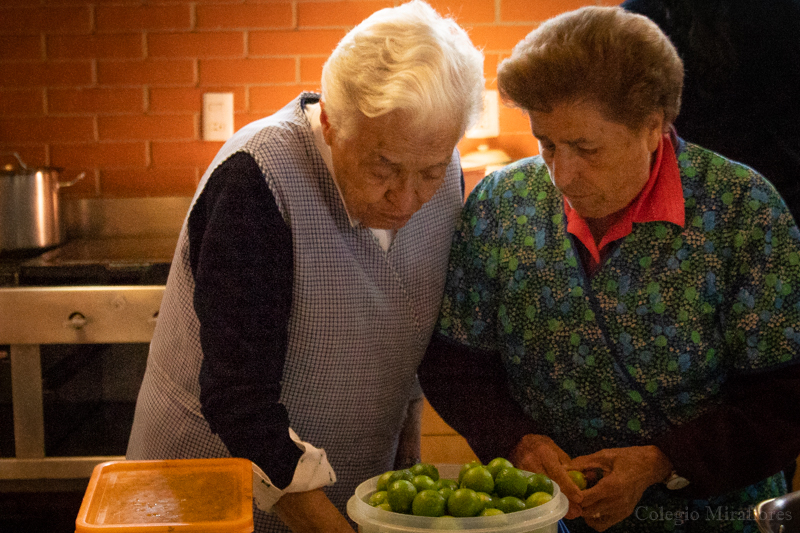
(114, 87)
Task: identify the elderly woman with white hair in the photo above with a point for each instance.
(309, 273)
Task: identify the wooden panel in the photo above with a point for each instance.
(432, 423)
(441, 444)
(446, 449)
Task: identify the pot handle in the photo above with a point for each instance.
(21, 162)
(61, 184)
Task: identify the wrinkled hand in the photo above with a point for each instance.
(537, 453)
(311, 512)
(627, 472)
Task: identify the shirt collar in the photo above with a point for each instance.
(661, 199)
(313, 112)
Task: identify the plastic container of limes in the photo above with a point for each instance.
(542, 519)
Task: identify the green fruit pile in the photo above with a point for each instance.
(481, 490)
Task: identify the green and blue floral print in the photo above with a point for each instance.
(647, 342)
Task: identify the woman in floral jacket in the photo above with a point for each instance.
(626, 303)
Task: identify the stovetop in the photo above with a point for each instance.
(91, 261)
(111, 242)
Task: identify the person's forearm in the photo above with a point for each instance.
(241, 260)
(311, 512)
(468, 388)
(752, 435)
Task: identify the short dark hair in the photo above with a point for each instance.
(620, 60)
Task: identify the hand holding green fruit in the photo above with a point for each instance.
(578, 478)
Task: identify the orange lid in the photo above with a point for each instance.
(182, 495)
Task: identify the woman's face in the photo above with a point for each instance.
(386, 169)
(599, 166)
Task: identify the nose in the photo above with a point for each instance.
(564, 169)
(404, 197)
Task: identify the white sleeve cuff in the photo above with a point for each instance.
(312, 472)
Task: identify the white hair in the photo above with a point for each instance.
(405, 58)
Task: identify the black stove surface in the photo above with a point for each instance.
(10, 262)
(108, 261)
(12, 256)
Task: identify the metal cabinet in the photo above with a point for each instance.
(34, 316)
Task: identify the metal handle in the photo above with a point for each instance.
(21, 162)
(10, 168)
(61, 184)
(75, 321)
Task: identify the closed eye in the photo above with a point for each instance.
(384, 169)
(547, 146)
(434, 173)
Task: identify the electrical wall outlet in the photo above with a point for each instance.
(488, 126)
(217, 116)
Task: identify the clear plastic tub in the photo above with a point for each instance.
(542, 519)
(184, 495)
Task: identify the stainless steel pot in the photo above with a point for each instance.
(29, 206)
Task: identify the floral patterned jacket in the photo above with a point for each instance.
(646, 344)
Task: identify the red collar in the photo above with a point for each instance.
(661, 199)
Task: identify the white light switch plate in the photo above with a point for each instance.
(217, 116)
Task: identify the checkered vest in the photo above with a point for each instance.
(360, 322)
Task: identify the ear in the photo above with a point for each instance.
(655, 129)
(327, 130)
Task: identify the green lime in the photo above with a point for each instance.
(401, 495)
(425, 469)
(511, 482)
(383, 480)
(510, 504)
(423, 482)
(577, 478)
(428, 503)
(442, 483)
(401, 474)
(466, 467)
(487, 499)
(537, 498)
(491, 512)
(539, 483)
(478, 479)
(464, 502)
(497, 464)
(378, 498)
(385, 506)
(446, 492)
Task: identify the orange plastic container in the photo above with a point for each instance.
(184, 495)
